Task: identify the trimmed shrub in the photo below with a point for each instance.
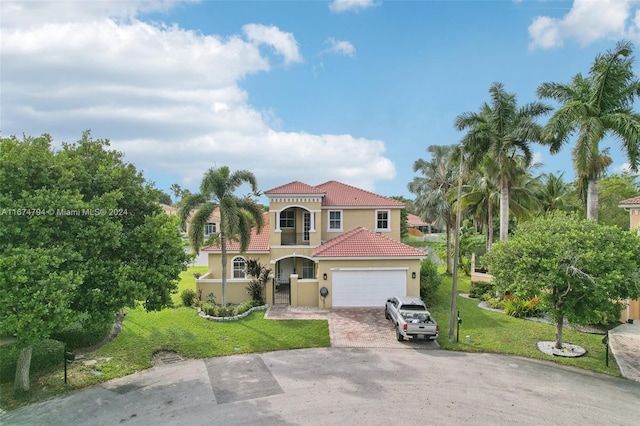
(82, 334)
(495, 302)
(480, 288)
(429, 280)
(188, 297)
(46, 354)
(521, 308)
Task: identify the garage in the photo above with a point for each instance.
(367, 287)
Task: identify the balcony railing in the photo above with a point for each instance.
(295, 239)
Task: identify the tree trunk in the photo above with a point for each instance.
(592, 200)
(558, 344)
(22, 369)
(504, 209)
(223, 257)
(489, 226)
(448, 229)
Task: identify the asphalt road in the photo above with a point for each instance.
(334, 386)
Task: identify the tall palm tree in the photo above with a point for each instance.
(593, 108)
(502, 131)
(177, 192)
(237, 215)
(432, 191)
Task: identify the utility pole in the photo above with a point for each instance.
(456, 255)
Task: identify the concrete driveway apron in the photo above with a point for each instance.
(353, 327)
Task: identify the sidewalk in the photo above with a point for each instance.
(624, 341)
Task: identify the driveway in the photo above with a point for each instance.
(353, 327)
(338, 386)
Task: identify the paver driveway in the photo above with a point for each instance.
(353, 327)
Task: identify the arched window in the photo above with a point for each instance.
(239, 267)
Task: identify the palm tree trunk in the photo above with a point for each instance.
(592, 200)
(504, 209)
(489, 226)
(223, 256)
(23, 365)
(448, 229)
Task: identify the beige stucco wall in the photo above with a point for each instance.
(215, 263)
(325, 267)
(634, 217)
(366, 218)
(236, 290)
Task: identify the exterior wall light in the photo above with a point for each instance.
(413, 275)
(324, 276)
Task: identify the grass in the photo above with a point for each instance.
(180, 330)
(187, 280)
(497, 332)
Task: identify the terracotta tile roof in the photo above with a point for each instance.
(342, 195)
(634, 200)
(294, 188)
(414, 220)
(362, 242)
(259, 241)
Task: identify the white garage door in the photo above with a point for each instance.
(367, 287)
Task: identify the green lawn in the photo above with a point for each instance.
(499, 333)
(187, 280)
(180, 330)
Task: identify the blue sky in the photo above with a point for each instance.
(353, 91)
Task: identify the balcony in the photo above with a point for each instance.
(294, 239)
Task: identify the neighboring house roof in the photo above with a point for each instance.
(215, 215)
(631, 202)
(361, 242)
(169, 209)
(336, 194)
(414, 220)
(259, 241)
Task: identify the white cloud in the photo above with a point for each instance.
(167, 97)
(622, 168)
(340, 47)
(586, 22)
(537, 158)
(283, 43)
(339, 6)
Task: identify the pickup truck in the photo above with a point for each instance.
(411, 318)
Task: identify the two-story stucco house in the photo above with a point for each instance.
(332, 239)
(632, 205)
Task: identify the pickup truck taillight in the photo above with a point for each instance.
(437, 328)
(404, 327)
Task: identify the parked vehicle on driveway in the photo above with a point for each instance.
(411, 318)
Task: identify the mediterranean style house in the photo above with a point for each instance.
(632, 205)
(329, 245)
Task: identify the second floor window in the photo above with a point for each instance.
(210, 228)
(382, 220)
(335, 220)
(239, 268)
(288, 219)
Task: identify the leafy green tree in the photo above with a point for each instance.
(433, 191)
(502, 131)
(260, 276)
(164, 198)
(611, 190)
(580, 270)
(237, 215)
(81, 236)
(592, 108)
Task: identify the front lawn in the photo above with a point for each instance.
(180, 330)
(499, 333)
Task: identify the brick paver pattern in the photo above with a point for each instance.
(353, 327)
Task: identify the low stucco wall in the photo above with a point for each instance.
(236, 290)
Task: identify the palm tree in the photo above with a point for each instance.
(593, 108)
(502, 131)
(432, 191)
(553, 192)
(237, 215)
(177, 192)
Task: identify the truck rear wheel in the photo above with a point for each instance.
(399, 336)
